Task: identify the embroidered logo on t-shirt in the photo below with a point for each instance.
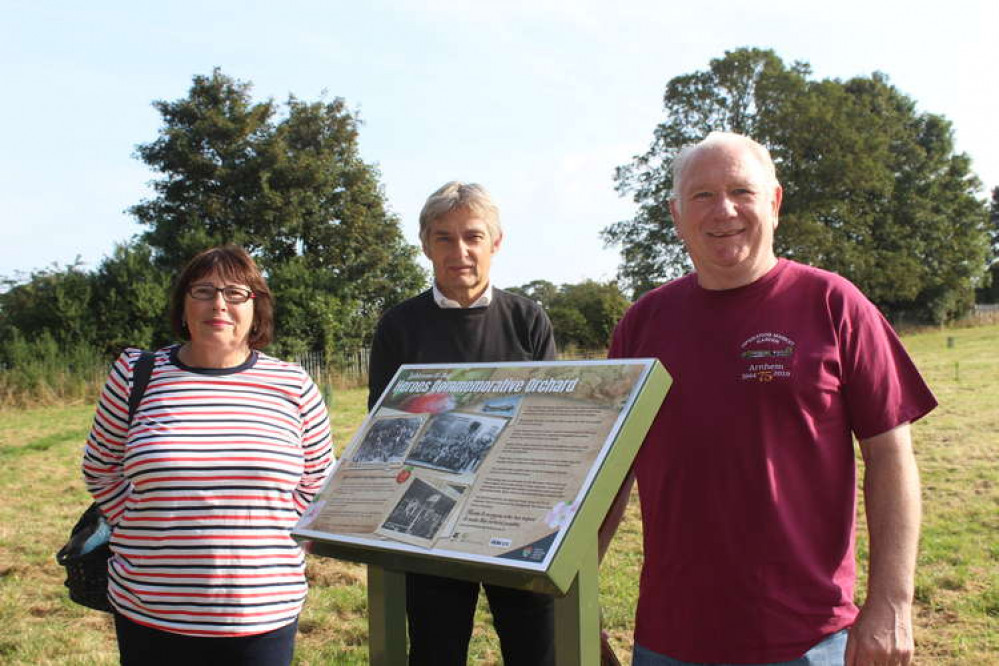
(767, 357)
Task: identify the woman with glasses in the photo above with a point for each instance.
(225, 451)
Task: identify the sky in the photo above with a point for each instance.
(537, 100)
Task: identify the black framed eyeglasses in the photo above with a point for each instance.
(230, 293)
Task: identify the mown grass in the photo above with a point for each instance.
(957, 585)
(957, 579)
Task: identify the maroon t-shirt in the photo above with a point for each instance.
(747, 478)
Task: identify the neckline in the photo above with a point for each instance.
(250, 361)
(763, 282)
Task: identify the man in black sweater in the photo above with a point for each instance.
(464, 319)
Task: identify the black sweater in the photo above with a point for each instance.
(510, 328)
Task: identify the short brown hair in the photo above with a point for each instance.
(233, 264)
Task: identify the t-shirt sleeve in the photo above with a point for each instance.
(104, 450)
(619, 339)
(882, 386)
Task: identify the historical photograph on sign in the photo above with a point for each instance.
(455, 442)
(388, 440)
(420, 512)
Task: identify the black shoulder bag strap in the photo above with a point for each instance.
(140, 379)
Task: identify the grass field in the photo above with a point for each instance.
(957, 590)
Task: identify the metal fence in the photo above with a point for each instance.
(983, 313)
(344, 367)
(349, 367)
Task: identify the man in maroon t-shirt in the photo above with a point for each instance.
(747, 477)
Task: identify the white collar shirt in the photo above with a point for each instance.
(444, 302)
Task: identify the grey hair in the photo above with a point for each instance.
(458, 195)
(714, 139)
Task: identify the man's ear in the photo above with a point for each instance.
(497, 241)
(778, 197)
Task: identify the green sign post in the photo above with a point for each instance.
(572, 427)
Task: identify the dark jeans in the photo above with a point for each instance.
(441, 613)
(139, 645)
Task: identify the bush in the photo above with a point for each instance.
(43, 372)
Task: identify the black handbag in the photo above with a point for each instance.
(85, 556)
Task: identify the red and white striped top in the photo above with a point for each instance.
(203, 489)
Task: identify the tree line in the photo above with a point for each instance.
(287, 182)
(873, 190)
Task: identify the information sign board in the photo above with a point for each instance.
(485, 471)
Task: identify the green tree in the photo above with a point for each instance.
(310, 314)
(872, 188)
(994, 226)
(56, 301)
(123, 303)
(601, 305)
(583, 315)
(131, 299)
(288, 183)
(541, 292)
(214, 152)
(989, 292)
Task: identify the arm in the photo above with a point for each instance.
(620, 504)
(544, 338)
(317, 445)
(882, 633)
(105, 446)
(614, 515)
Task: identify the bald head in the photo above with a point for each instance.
(715, 141)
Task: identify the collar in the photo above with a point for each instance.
(446, 303)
